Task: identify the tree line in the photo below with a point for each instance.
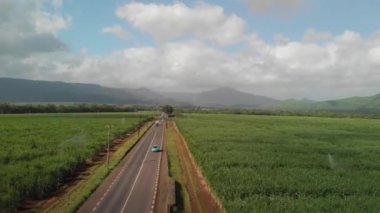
(236, 111)
(8, 108)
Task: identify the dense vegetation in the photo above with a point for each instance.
(293, 164)
(7, 108)
(39, 151)
(168, 109)
(235, 111)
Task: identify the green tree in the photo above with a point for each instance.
(167, 109)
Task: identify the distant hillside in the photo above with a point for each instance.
(291, 105)
(222, 97)
(180, 96)
(20, 90)
(150, 96)
(232, 98)
(368, 105)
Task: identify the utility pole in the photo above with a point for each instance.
(108, 146)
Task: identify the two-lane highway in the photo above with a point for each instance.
(132, 186)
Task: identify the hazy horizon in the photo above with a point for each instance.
(163, 92)
(312, 49)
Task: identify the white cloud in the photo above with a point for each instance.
(374, 55)
(276, 7)
(342, 65)
(57, 3)
(312, 35)
(26, 28)
(348, 37)
(50, 23)
(294, 69)
(281, 39)
(83, 50)
(165, 22)
(28, 31)
(296, 55)
(116, 30)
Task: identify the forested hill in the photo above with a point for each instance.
(366, 105)
(222, 97)
(28, 91)
(19, 90)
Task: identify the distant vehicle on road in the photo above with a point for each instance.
(155, 148)
(157, 123)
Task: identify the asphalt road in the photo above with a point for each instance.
(132, 186)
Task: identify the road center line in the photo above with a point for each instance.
(158, 172)
(122, 170)
(138, 174)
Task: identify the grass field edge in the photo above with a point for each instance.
(199, 169)
(72, 199)
(176, 170)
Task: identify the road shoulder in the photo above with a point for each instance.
(194, 186)
(69, 198)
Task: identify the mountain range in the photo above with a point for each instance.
(222, 97)
(26, 91)
(22, 90)
(366, 105)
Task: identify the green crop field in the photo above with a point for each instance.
(39, 150)
(288, 164)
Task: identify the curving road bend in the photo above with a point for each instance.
(132, 185)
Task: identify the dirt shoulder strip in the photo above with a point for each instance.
(200, 195)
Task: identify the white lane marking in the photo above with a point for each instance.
(118, 175)
(121, 171)
(158, 175)
(138, 174)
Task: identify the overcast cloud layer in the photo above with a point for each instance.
(191, 53)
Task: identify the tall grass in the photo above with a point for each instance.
(293, 164)
(39, 151)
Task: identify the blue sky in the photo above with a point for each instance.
(322, 15)
(316, 49)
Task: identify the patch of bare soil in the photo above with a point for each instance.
(201, 197)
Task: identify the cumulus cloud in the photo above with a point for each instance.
(342, 66)
(374, 55)
(280, 39)
(26, 28)
(296, 56)
(320, 66)
(181, 65)
(57, 3)
(116, 30)
(312, 35)
(203, 21)
(277, 7)
(50, 23)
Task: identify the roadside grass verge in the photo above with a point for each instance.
(176, 172)
(75, 195)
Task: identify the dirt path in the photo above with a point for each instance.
(201, 197)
